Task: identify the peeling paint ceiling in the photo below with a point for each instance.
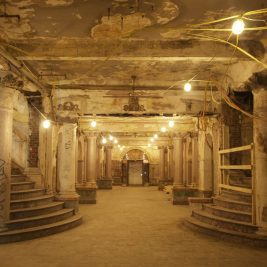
(84, 45)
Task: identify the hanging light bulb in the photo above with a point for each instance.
(104, 140)
(238, 26)
(187, 87)
(121, 149)
(115, 141)
(171, 124)
(155, 136)
(149, 145)
(163, 129)
(93, 123)
(46, 124)
(152, 139)
(111, 137)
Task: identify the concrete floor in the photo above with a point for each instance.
(134, 226)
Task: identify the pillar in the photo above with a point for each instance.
(194, 160)
(88, 190)
(180, 191)
(170, 163)
(260, 158)
(6, 125)
(66, 166)
(205, 159)
(161, 182)
(106, 183)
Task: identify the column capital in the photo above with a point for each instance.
(91, 134)
(11, 81)
(161, 147)
(170, 147)
(178, 136)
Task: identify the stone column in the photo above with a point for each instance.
(106, 183)
(260, 157)
(178, 186)
(88, 190)
(205, 160)
(161, 182)
(170, 163)
(194, 160)
(66, 166)
(6, 125)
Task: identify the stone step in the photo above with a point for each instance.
(52, 217)
(39, 231)
(232, 204)
(31, 202)
(225, 234)
(28, 193)
(238, 196)
(18, 178)
(36, 211)
(22, 185)
(220, 222)
(228, 213)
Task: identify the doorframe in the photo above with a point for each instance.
(128, 169)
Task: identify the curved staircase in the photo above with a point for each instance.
(35, 214)
(228, 216)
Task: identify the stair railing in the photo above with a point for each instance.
(224, 179)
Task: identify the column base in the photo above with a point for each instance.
(87, 194)
(71, 200)
(204, 193)
(180, 195)
(104, 184)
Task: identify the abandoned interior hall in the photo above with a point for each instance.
(133, 133)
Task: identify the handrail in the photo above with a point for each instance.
(235, 149)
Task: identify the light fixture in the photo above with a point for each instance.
(46, 124)
(115, 141)
(104, 140)
(187, 87)
(155, 136)
(152, 139)
(121, 149)
(111, 137)
(163, 129)
(238, 26)
(119, 146)
(171, 124)
(93, 123)
(149, 145)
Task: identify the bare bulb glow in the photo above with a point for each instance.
(152, 139)
(155, 136)
(93, 124)
(104, 140)
(121, 149)
(46, 124)
(115, 141)
(163, 129)
(149, 145)
(238, 26)
(187, 87)
(171, 124)
(111, 137)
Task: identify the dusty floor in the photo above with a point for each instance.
(130, 227)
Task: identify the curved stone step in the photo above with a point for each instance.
(28, 193)
(39, 231)
(205, 228)
(232, 204)
(18, 178)
(31, 202)
(237, 196)
(36, 211)
(22, 185)
(220, 222)
(49, 218)
(228, 213)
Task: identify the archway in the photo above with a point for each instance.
(135, 168)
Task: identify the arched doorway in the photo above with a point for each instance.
(135, 168)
